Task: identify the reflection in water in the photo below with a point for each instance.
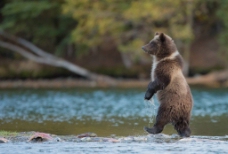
(103, 111)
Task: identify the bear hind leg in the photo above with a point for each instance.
(161, 121)
(182, 127)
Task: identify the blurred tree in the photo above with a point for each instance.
(38, 21)
(60, 26)
(130, 23)
(222, 14)
(151, 16)
(97, 22)
(1, 6)
(41, 23)
(210, 18)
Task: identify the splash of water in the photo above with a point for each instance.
(150, 110)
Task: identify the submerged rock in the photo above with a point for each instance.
(99, 139)
(204, 140)
(89, 134)
(134, 139)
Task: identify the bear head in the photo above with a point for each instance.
(160, 46)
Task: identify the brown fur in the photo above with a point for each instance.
(170, 85)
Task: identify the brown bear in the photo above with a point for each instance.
(168, 81)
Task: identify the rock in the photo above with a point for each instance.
(40, 137)
(3, 140)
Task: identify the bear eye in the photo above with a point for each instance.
(152, 43)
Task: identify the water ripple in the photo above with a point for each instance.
(62, 105)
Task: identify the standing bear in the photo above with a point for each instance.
(168, 81)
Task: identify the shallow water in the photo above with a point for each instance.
(162, 144)
(106, 112)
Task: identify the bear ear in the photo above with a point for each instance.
(162, 37)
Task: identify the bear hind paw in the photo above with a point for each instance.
(152, 130)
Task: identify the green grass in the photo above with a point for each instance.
(7, 133)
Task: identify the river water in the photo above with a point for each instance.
(110, 112)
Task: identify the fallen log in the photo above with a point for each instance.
(214, 79)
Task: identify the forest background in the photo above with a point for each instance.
(48, 39)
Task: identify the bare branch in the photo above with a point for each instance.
(28, 45)
(53, 62)
(21, 51)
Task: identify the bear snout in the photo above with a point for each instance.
(144, 49)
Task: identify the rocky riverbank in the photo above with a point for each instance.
(35, 137)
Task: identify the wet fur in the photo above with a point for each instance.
(169, 83)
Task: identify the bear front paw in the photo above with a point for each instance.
(148, 95)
